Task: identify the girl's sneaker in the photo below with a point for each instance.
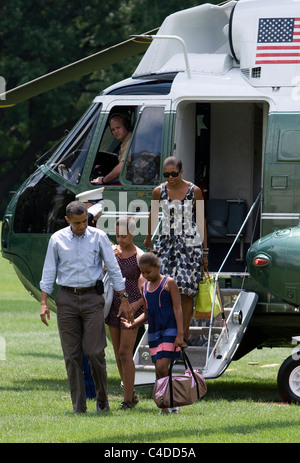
(174, 410)
(164, 411)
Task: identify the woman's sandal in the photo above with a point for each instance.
(126, 405)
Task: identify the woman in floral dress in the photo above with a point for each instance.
(182, 243)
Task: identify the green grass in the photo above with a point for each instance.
(241, 406)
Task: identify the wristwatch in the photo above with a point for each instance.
(124, 295)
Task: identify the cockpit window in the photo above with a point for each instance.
(114, 144)
(143, 159)
(41, 206)
(70, 158)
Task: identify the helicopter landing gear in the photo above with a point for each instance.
(288, 379)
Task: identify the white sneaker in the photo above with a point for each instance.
(174, 410)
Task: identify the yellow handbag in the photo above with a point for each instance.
(205, 297)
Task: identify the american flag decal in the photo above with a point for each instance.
(278, 41)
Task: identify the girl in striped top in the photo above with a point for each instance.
(162, 311)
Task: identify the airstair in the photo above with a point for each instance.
(211, 345)
(212, 342)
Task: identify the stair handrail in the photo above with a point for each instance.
(240, 231)
(216, 278)
(160, 216)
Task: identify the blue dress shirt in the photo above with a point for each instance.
(76, 261)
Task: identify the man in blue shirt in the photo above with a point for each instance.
(74, 258)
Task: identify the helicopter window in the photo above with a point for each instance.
(41, 206)
(143, 159)
(148, 88)
(113, 147)
(289, 142)
(70, 159)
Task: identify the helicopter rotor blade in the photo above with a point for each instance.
(100, 60)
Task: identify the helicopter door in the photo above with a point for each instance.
(221, 144)
(141, 167)
(281, 199)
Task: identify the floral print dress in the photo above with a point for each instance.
(179, 245)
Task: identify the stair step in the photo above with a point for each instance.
(177, 368)
(217, 321)
(204, 329)
(196, 354)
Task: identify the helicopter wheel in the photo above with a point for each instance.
(288, 379)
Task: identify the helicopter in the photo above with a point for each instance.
(217, 86)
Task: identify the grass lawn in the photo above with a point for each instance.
(242, 406)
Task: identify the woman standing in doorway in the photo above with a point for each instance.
(182, 243)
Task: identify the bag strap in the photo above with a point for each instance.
(170, 377)
(188, 366)
(204, 269)
(205, 272)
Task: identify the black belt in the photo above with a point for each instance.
(91, 289)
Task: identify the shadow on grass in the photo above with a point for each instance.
(196, 433)
(253, 390)
(42, 384)
(218, 389)
(56, 384)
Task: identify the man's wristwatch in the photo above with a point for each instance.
(124, 295)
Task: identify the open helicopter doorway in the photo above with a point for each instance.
(221, 146)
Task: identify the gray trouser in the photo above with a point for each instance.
(81, 326)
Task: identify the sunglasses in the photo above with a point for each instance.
(168, 174)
